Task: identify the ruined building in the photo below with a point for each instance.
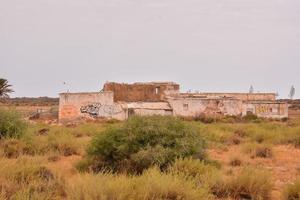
(120, 101)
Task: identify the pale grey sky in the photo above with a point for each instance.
(205, 45)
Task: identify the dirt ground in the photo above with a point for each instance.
(284, 164)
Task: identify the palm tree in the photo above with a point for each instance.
(5, 88)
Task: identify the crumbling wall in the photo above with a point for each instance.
(147, 92)
(149, 108)
(81, 106)
(244, 96)
(193, 107)
(266, 109)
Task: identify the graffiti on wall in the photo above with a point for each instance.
(100, 110)
(265, 109)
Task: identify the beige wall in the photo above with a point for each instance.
(192, 107)
(149, 108)
(78, 106)
(267, 110)
(244, 96)
(147, 112)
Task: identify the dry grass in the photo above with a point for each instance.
(235, 161)
(292, 191)
(29, 166)
(250, 184)
(152, 184)
(25, 178)
(258, 150)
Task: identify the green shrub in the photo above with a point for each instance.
(205, 118)
(292, 191)
(142, 142)
(11, 124)
(250, 117)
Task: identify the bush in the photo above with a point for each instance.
(205, 118)
(250, 117)
(11, 124)
(258, 150)
(142, 142)
(263, 152)
(235, 162)
(292, 191)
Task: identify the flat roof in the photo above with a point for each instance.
(76, 93)
(146, 83)
(244, 93)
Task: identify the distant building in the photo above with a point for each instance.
(120, 101)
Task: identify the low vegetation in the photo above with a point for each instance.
(152, 184)
(11, 124)
(28, 179)
(249, 184)
(144, 158)
(292, 191)
(143, 142)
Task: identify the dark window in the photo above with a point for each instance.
(185, 106)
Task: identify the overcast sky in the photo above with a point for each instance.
(205, 45)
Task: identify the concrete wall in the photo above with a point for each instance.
(119, 101)
(149, 108)
(148, 112)
(267, 109)
(244, 96)
(192, 107)
(79, 106)
(146, 92)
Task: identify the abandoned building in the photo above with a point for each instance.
(120, 101)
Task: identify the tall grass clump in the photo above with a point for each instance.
(250, 183)
(263, 150)
(152, 184)
(292, 191)
(205, 175)
(142, 142)
(11, 124)
(27, 179)
(62, 141)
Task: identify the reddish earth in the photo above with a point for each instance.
(284, 165)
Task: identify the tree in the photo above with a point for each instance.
(251, 90)
(292, 92)
(5, 88)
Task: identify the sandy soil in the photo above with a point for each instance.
(284, 165)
